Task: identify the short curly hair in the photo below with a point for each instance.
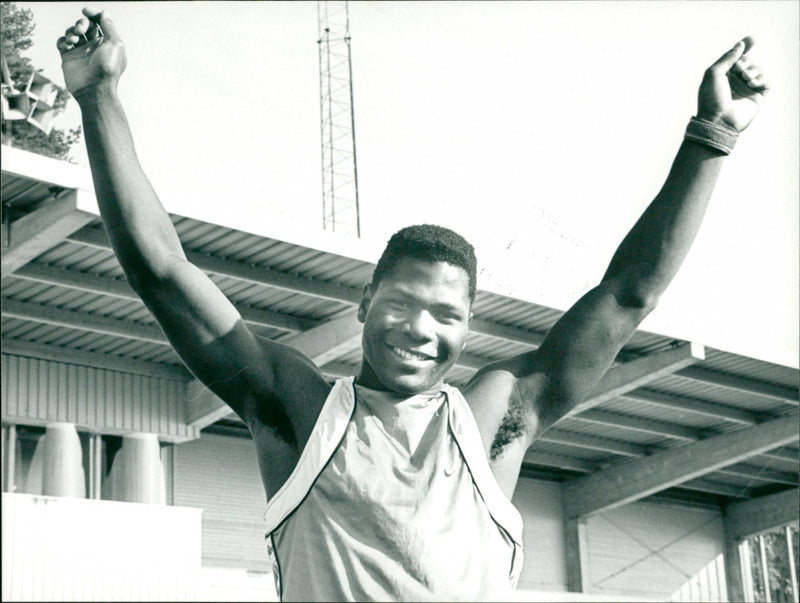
(430, 243)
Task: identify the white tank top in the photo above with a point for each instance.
(393, 499)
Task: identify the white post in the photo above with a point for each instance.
(762, 552)
(9, 457)
(792, 566)
(98, 465)
(747, 571)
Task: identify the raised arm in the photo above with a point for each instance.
(264, 382)
(544, 385)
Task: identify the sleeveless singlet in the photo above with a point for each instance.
(393, 499)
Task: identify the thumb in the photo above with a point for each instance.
(728, 60)
(99, 17)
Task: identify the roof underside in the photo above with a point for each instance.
(71, 296)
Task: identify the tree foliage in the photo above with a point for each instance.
(16, 28)
(778, 565)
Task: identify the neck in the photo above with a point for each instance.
(369, 379)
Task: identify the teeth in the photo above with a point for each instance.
(408, 355)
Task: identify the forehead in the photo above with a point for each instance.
(427, 278)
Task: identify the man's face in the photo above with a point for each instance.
(415, 325)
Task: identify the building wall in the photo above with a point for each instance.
(544, 567)
(643, 550)
(38, 392)
(220, 475)
(650, 550)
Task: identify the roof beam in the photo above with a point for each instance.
(651, 426)
(634, 374)
(321, 344)
(778, 392)
(784, 456)
(685, 404)
(18, 162)
(750, 517)
(41, 229)
(505, 332)
(92, 283)
(79, 320)
(581, 440)
(713, 487)
(630, 481)
(546, 459)
(329, 340)
(760, 474)
(260, 275)
(119, 364)
(297, 284)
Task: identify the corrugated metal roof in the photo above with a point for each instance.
(62, 297)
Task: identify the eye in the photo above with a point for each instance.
(447, 316)
(398, 305)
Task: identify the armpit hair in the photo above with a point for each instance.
(513, 426)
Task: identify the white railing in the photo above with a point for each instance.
(72, 549)
(707, 585)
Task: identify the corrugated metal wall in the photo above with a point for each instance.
(651, 550)
(539, 503)
(641, 550)
(42, 391)
(220, 475)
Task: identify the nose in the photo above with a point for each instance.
(419, 325)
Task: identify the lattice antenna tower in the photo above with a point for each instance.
(340, 211)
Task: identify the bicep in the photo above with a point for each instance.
(577, 352)
(548, 382)
(259, 379)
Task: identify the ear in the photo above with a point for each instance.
(363, 306)
(469, 322)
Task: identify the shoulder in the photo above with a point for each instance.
(288, 406)
(504, 407)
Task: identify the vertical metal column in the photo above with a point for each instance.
(340, 206)
(762, 552)
(792, 566)
(9, 457)
(95, 465)
(747, 571)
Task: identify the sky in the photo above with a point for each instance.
(539, 130)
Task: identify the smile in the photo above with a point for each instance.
(409, 355)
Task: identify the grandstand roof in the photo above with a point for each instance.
(671, 418)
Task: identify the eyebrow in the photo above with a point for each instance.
(438, 306)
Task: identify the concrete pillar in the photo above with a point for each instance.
(137, 474)
(62, 461)
(734, 575)
(9, 457)
(576, 551)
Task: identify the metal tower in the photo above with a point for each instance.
(339, 175)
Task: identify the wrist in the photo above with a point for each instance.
(714, 134)
(96, 95)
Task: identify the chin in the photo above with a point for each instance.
(407, 384)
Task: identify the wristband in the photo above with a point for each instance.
(711, 134)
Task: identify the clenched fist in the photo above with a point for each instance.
(92, 54)
(733, 88)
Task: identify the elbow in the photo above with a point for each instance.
(144, 276)
(638, 298)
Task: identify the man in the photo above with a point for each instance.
(394, 485)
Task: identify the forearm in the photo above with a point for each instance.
(139, 228)
(650, 255)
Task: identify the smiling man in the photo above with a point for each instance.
(393, 485)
